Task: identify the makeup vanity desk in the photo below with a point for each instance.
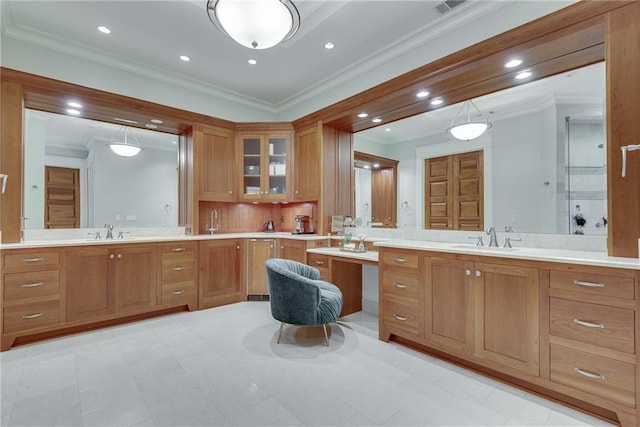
(343, 269)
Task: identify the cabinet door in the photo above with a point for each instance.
(260, 250)
(277, 166)
(135, 281)
(215, 163)
(251, 184)
(265, 166)
(449, 303)
(307, 164)
(220, 279)
(295, 250)
(89, 292)
(507, 316)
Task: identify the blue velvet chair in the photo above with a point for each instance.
(299, 297)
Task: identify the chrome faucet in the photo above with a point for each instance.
(214, 222)
(109, 228)
(493, 242)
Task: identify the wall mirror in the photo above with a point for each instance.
(72, 179)
(544, 157)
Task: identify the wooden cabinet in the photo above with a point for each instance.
(178, 273)
(221, 276)
(31, 289)
(264, 166)
(321, 262)
(105, 280)
(593, 336)
(293, 249)
(307, 164)
(214, 152)
(258, 252)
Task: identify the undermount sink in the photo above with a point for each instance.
(484, 248)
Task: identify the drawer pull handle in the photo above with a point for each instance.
(180, 292)
(588, 284)
(400, 260)
(589, 374)
(319, 262)
(32, 285)
(400, 286)
(32, 316)
(588, 324)
(178, 268)
(178, 249)
(38, 259)
(401, 318)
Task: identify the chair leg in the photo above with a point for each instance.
(280, 333)
(326, 337)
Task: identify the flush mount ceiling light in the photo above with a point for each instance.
(468, 130)
(127, 146)
(256, 24)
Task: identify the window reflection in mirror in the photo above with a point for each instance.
(538, 166)
(136, 191)
(376, 189)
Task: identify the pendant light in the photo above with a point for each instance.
(468, 130)
(126, 146)
(256, 24)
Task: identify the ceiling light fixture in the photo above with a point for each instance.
(104, 29)
(513, 63)
(185, 58)
(252, 61)
(156, 121)
(329, 45)
(256, 24)
(468, 130)
(376, 120)
(437, 101)
(422, 94)
(74, 104)
(523, 74)
(362, 115)
(125, 147)
(73, 112)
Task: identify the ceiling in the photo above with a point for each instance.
(149, 37)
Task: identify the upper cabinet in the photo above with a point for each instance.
(264, 165)
(307, 164)
(214, 150)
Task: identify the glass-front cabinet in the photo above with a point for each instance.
(265, 166)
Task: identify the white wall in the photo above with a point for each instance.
(134, 191)
(34, 189)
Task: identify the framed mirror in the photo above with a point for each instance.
(376, 190)
(72, 179)
(544, 157)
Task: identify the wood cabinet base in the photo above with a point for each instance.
(603, 408)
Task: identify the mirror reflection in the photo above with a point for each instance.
(73, 179)
(544, 157)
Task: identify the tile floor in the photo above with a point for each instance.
(222, 367)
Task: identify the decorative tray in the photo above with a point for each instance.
(356, 250)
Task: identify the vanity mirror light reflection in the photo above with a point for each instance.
(544, 158)
(72, 179)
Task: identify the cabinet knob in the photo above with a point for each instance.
(38, 259)
(296, 191)
(238, 247)
(32, 316)
(178, 268)
(467, 272)
(111, 256)
(230, 192)
(32, 285)
(178, 249)
(119, 256)
(478, 273)
(180, 292)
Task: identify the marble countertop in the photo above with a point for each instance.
(533, 254)
(371, 256)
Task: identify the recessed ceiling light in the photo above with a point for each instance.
(513, 63)
(437, 101)
(376, 165)
(523, 74)
(362, 115)
(156, 121)
(104, 29)
(74, 104)
(151, 126)
(387, 130)
(376, 120)
(73, 112)
(252, 61)
(422, 94)
(367, 167)
(329, 45)
(133, 122)
(185, 58)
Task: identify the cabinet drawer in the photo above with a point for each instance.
(179, 293)
(178, 267)
(592, 284)
(600, 325)
(402, 316)
(599, 375)
(31, 259)
(178, 248)
(400, 285)
(400, 259)
(33, 284)
(318, 261)
(30, 316)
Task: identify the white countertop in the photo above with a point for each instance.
(365, 256)
(533, 254)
